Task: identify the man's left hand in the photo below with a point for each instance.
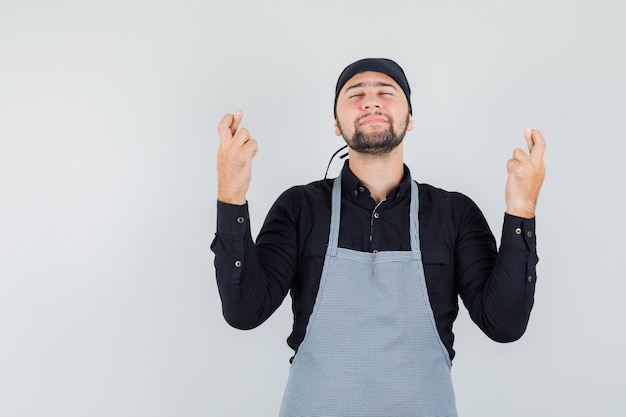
(526, 174)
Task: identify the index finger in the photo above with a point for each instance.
(536, 142)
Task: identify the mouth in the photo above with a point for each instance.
(372, 120)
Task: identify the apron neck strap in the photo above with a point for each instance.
(335, 215)
(414, 220)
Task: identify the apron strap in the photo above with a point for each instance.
(335, 215)
(414, 219)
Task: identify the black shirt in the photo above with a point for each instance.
(458, 252)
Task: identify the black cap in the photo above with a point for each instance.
(383, 65)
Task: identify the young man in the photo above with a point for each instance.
(375, 262)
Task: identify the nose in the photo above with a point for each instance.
(370, 101)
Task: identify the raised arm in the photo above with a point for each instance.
(251, 284)
(499, 295)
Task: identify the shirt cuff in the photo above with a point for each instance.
(519, 233)
(232, 219)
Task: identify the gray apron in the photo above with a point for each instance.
(371, 346)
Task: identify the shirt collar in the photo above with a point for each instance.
(351, 185)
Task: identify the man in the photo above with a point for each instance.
(375, 262)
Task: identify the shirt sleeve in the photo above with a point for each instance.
(497, 287)
(252, 279)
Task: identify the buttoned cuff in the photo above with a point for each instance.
(519, 233)
(232, 219)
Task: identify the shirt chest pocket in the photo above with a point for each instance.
(439, 274)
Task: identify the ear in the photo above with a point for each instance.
(409, 125)
(337, 131)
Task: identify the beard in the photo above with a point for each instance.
(377, 143)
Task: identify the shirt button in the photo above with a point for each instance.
(361, 189)
(238, 264)
(356, 192)
(376, 215)
(518, 231)
(240, 220)
(529, 234)
(530, 278)
(375, 251)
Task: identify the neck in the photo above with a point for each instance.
(379, 173)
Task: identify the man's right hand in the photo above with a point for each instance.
(234, 159)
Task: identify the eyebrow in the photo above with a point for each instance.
(363, 84)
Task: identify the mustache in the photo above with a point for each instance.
(376, 113)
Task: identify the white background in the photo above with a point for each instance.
(108, 301)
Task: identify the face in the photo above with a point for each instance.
(372, 113)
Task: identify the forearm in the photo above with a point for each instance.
(502, 309)
(248, 292)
